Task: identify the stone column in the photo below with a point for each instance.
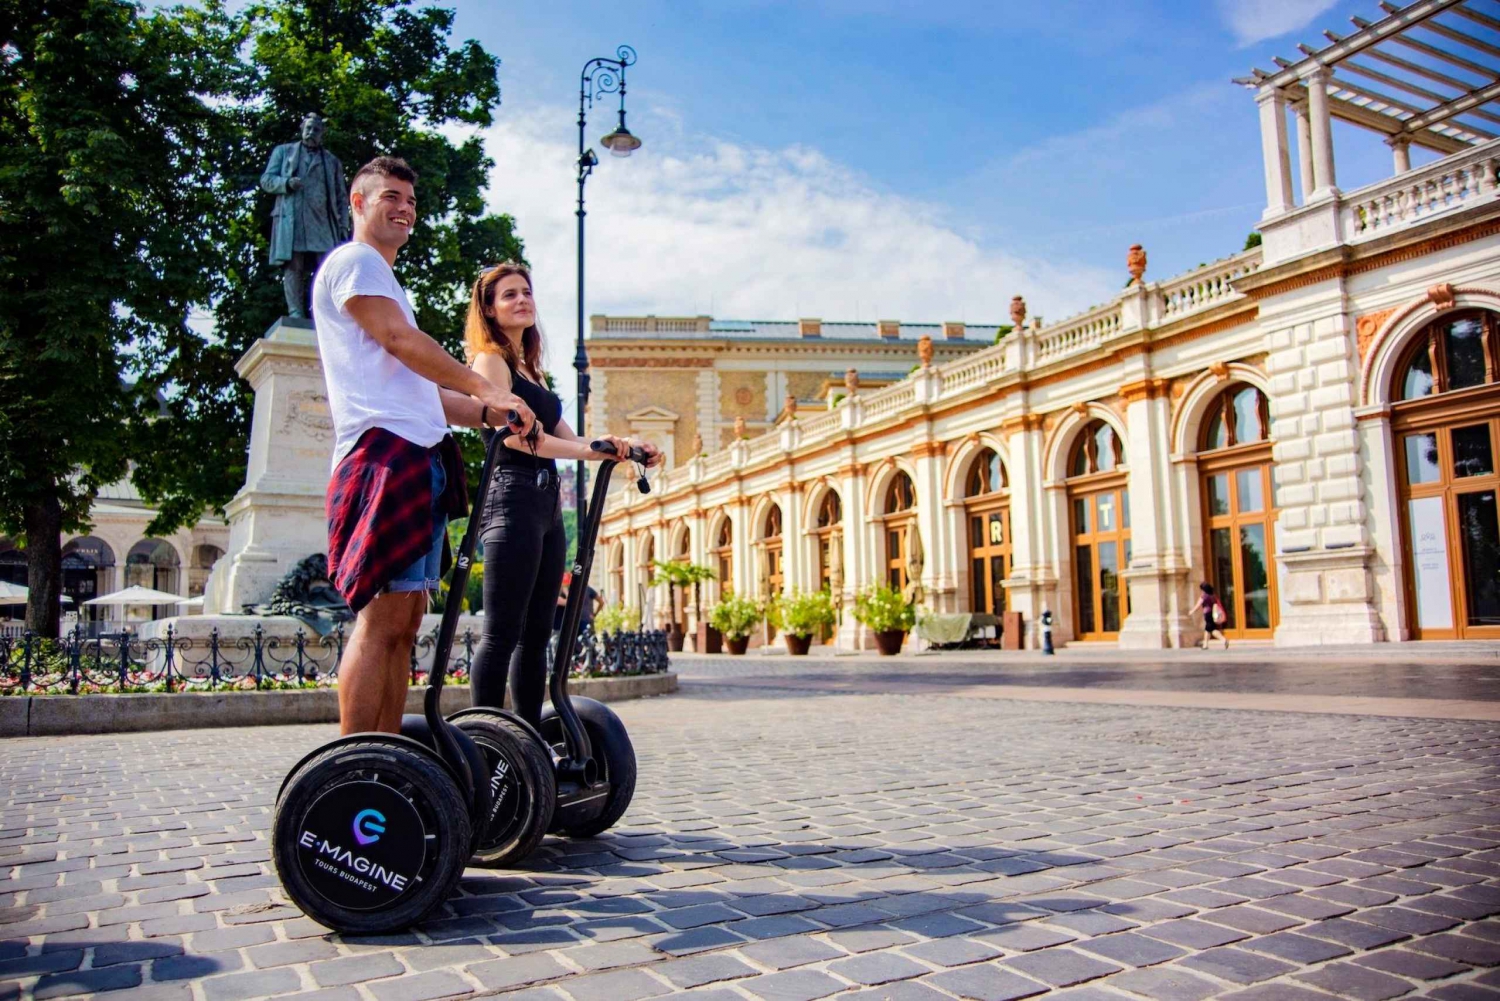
(1157, 572)
(1273, 148)
(278, 517)
(939, 579)
(1400, 153)
(857, 555)
(1323, 545)
(795, 553)
(1324, 184)
(1031, 580)
(1304, 149)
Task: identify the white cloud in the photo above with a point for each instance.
(705, 226)
(1257, 20)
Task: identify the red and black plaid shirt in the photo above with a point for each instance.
(380, 511)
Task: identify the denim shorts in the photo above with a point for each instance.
(424, 573)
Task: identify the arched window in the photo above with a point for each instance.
(616, 591)
(1239, 517)
(830, 510)
(900, 499)
(12, 562)
(1240, 416)
(1453, 353)
(772, 570)
(88, 565)
(986, 475)
(1100, 509)
(153, 563)
(723, 557)
(987, 509)
(204, 558)
(1446, 426)
(1097, 450)
(830, 551)
(900, 495)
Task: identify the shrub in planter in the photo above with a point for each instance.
(887, 614)
(676, 574)
(799, 616)
(617, 618)
(735, 617)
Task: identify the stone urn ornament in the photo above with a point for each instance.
(697, 444)
(924, 350)
(851, 381)
(739, 427)
(1017, 311)
(1135, 262)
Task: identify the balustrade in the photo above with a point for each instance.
(1414, 196)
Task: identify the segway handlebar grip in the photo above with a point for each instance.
(637, 454)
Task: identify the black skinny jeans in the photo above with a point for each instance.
(524, 549)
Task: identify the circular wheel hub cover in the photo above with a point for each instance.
(362, 845)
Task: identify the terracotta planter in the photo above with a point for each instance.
(889, 641)
(798, 646)
(737, 644)
(675, 636)
(709, 640)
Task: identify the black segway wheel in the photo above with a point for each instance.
(523, 788)
(613, 753)
(370, 836)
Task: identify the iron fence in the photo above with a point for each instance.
(125, 662)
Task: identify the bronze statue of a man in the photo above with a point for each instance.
(311, 216)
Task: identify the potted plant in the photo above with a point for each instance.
(674, 575)
(799, 616)
(886, 613)
(735, 617)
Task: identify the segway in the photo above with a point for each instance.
(372, 831)
(578, 769)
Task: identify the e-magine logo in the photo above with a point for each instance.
(369, 825)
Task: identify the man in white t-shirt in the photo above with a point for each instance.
(393, 391)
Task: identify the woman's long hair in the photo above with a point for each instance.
(482, 334)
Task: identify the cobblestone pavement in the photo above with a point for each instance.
(789, 846)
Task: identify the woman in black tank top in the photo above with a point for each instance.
(521, 518)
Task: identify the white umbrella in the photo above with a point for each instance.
(136, 595)
(191, 602)
(16, 594)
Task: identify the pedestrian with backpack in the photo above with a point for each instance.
(1214, 615)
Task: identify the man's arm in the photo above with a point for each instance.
(271, 181)
(383, 320)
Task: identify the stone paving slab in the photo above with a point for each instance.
(797, 844)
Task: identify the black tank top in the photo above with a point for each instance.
(548, 409)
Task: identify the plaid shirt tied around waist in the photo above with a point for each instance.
(380, 511)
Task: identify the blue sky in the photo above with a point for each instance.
(886, 158)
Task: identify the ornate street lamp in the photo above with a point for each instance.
(600, 76)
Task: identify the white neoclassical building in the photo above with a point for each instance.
(1312, 425)
(118, 552)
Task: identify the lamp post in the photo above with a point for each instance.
(600, 76)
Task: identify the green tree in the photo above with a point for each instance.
(108, 144)
(128, 189)
(387, 81)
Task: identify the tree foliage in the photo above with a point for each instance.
(132, 147)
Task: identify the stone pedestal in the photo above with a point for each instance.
(1158, 609)
(278, 517)
(1328, 597)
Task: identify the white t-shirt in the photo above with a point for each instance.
(367, 385)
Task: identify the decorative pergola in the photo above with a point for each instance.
(1426, 74)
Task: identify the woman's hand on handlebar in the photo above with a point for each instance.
(653, 454)
(502, 404)
(620, 445)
